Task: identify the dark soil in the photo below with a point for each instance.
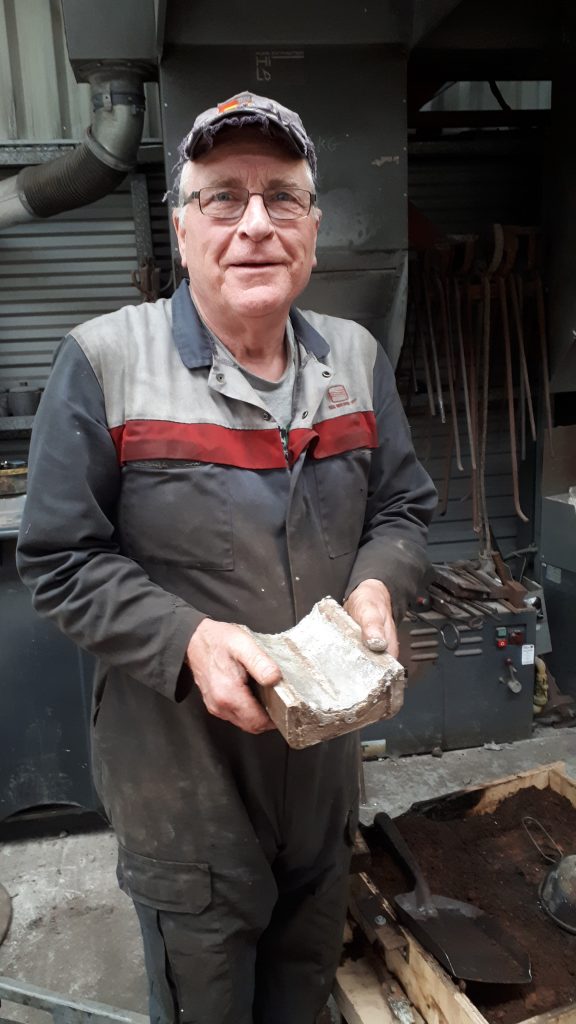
(489, 860)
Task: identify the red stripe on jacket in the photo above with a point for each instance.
(332, 437)
(246, 449)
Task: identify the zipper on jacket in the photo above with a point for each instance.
(284, 438)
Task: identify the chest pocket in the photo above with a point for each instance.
(342, 487)
(175, 512)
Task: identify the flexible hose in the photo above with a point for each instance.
(66, 183)
(95, 167)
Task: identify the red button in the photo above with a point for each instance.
(501, 643)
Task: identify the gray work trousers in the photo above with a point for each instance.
(241, 890)
(215, 968)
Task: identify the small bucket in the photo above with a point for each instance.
(558, 893)
(24, 401)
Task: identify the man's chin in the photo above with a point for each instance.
(258, 299)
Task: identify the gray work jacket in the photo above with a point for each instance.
(160, 492)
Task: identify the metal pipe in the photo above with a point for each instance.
(460, 338)
(95, 167)
(510, 393)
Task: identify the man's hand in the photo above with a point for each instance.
(370, 606)
(222, 656)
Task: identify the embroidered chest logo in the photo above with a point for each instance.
(338, 396)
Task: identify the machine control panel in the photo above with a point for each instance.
(514, 636)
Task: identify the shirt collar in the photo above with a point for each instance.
(193, 339)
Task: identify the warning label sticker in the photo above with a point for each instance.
(527, 654)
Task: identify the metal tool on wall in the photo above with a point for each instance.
(478, 332)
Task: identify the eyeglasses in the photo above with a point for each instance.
(230, 203)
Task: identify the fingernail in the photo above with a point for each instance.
(268, 674)
(377, 643)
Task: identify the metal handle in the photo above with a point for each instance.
(528, 822)
(511, 679)
(448, 631)
(403, 852)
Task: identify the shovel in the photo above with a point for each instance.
(467, 942)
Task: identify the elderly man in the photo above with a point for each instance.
(215, 459)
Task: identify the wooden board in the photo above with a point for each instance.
(563, 784)
(359, 994)
(567, 1015)
(551, 776)
(427, 985)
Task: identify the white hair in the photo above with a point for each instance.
(181, 188)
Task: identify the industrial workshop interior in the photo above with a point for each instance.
(447, 184)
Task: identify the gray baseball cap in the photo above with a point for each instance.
(248, 109)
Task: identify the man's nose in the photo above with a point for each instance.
(255, 221)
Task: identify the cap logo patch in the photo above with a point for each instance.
(244, 99)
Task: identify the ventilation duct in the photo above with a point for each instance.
(92, 170)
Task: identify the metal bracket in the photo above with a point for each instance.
(368, 910)
(385, 930)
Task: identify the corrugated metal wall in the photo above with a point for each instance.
(39, 97)
(467, 185)
(57, 273)
(452, 535)
(478, 96)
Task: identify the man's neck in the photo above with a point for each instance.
(258, 344)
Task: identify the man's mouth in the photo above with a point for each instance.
(257, 264)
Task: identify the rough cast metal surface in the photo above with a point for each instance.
(331, 683)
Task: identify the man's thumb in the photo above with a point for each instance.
(260, 666)
(373, 637)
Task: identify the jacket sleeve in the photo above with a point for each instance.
(401, 501)
(68, 554)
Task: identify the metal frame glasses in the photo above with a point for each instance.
(229, 204)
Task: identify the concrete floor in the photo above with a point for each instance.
(73, 932)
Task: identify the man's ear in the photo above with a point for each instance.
(180, 229)
(317, 218)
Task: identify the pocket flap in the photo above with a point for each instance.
(164, 884)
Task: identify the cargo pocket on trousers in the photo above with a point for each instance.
(187, 957)
(165, 885)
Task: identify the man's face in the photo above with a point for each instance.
(253, 267)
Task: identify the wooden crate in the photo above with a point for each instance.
(430, 989)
